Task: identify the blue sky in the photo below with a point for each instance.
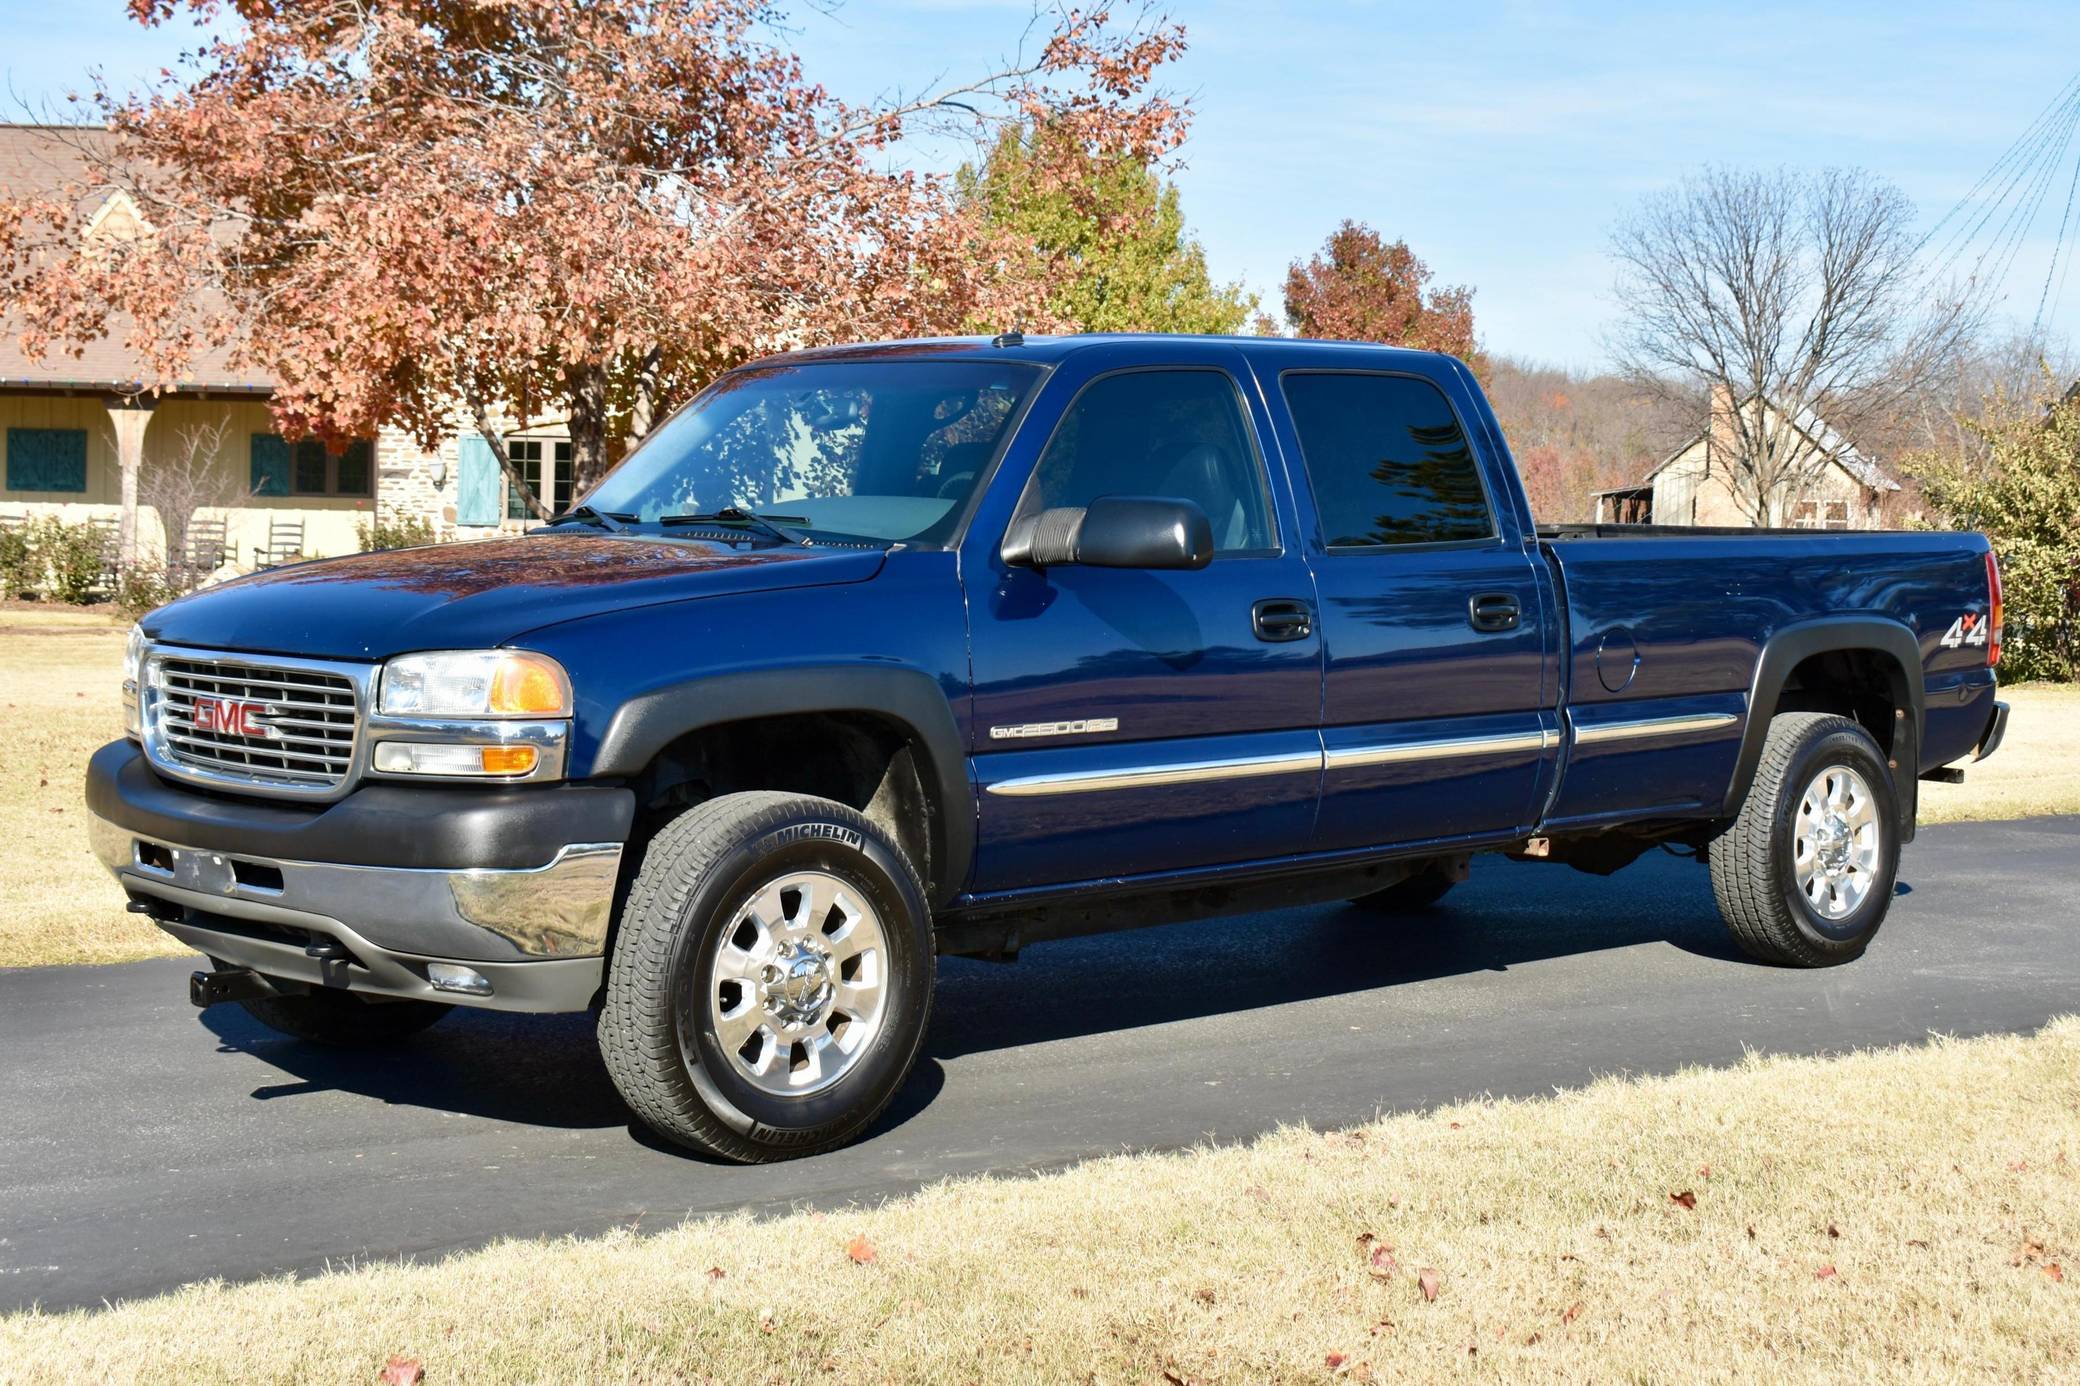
(1501, 140)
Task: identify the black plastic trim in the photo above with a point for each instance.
(910, 698)
(1792, 646)
(419, 826)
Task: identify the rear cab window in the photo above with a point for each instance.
(1388, 460)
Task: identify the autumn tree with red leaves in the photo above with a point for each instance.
(402, 209)
(1359, 288)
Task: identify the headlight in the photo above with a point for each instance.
(474, 683)
(133, 669)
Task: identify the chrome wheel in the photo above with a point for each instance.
(800, 983)
(1836, 841)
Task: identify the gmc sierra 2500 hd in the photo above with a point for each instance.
(878, 652)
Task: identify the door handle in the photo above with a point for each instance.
(1494, 611)
(1282, 618)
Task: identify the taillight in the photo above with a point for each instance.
(1993, 609)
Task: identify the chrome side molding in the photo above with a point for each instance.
(1251, 767)
(1646, 727)
(1155, 776)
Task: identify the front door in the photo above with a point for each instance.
(1436, 720)
(1129, 723)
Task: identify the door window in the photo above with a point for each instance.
(1388, 461)
(1178, 434)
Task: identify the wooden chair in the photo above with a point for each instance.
(208, 545)
(108, 538)
(284, 544)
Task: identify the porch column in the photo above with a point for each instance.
(130, 418)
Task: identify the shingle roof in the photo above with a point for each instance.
(46, 158)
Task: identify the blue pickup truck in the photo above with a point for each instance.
(879, 652)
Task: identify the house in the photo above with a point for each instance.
(81, 434)
(1696, 484)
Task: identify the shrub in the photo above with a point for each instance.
(71, 559)
(20, 568)
(2023, 489)
(144, 586)
(394, 532)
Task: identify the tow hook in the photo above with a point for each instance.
(206, 989)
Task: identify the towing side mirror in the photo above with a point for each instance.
(1114, 532)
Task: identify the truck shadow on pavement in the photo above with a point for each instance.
(545, 1071)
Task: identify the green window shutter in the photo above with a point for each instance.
(47, 459)
(270, 473)
(479, 484)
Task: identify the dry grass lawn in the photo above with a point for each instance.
(1907, 1215)
(2036, 770)
(59, 675)
(60, 667)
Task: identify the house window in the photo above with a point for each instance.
(1826, 514)
(47, 459)
(530, 456)
(309, 468)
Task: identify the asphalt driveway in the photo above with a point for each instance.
(143, 1144)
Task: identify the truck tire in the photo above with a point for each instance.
(1804, 875)
(1410, 893)
(771, 979)
(342, 1019)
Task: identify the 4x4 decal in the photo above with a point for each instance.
(1968, 629)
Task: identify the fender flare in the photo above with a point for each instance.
(648, 722)
(1793, 645)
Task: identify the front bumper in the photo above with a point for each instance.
(517, 884)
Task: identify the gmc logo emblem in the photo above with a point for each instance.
(233, 718)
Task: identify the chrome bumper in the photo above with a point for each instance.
(537, 936)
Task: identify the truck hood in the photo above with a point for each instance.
(482, 594)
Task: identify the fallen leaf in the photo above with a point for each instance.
(1824, 1273)
(401, 1371)
(1685, 1199)
(860, 1250)
(1572, 1312)
(2058, 1277)
(1428, 1281)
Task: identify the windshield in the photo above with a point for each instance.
(881, 450)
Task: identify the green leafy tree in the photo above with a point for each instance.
(1105, 230)
(2017, 479)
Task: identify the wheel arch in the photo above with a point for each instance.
(1874, 648)
(907, 701)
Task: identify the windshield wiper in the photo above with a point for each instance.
(730, 515)
(608, 520)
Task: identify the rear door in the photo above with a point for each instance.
(1129, 722)
(1436, 710)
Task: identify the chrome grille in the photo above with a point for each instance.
(310, 720)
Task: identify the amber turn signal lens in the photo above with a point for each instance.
(508, 760)
(526, 685)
